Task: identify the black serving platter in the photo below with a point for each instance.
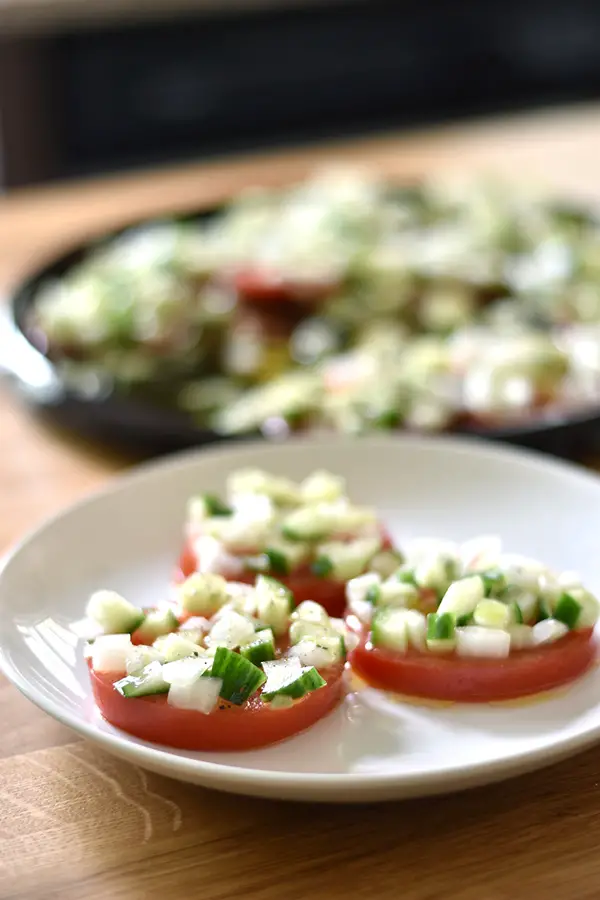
(132, 424)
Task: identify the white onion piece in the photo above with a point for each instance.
(488, 643)
(110, 652)
(201, 695)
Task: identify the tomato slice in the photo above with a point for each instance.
(450, 677)
(302, 582)
(226, 728)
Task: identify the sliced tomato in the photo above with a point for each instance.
(450, 677)
(226, 728)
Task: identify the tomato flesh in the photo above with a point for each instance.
(454, 678)
(226, 728)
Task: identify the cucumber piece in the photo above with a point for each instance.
(279, 558)
(344, 560)
(436, 572)
(157, 623)
(516, 613)
(364, 588)
(406, 575)
(440, 627)
(589, 607)
(543, 610)
(114, 613)
(274, 604)
(301, 628)
(261, 649)
(202, 594)
(320, 651)
(389, 629)
(187, 670)
(309, 611)
(280, 490)
(147, 684)
(568, 610)
(176, 646)
(492, 614)
(315, 523)
(494, 582)
(207, 506)
(240, 677)
(398, 593)
(386, 562)
(291, 681)
(322, 566)
(521, 636)
(322, 486)
(462, 596)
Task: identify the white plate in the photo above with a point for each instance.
(371, 748)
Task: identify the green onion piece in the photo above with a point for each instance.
(322, 566)
(240, 677)
(215, 506)
(464, 620)
(440, 627)
(567, 610)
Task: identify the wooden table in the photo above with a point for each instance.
(74, 823)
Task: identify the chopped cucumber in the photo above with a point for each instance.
(406, 575)
(206, 506)
(301, 628)
(157, 623)
(544, 610)
(590, 610)
(254, 481)
(397, 593)
(521, 636)
(202, 594)
(462, 596)
(440, 627)
(492, 614)
(494, 582)
(309, 611)
(176, 646)
(291, 681)
(314, 523)
(282, 557)
(386, 562)
(114, 613)
(240, 677)
(365, 587)
(320, 651)
(322, 487)
(344, 560)
(568, 610)
(150, 682)
(389, 629)
(435, 572)
(274, 603)
(261, 649)
(322, 566)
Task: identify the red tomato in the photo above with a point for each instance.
(303, 583)
(227, 727)
(450, 677)
(263, 286)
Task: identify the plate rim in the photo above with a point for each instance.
(233, 777)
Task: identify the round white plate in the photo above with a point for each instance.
(372, 747)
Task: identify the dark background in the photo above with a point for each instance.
(103, 98)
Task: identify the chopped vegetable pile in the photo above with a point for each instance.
(342, 303)
(250, 644)
(472, 600)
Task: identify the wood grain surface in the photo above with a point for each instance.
(76, 824)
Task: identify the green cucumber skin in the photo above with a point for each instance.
(305, 684)
(149, 630)
(258, 652)
(240, 677)
(132, 687)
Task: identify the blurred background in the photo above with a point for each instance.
(89, 86)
